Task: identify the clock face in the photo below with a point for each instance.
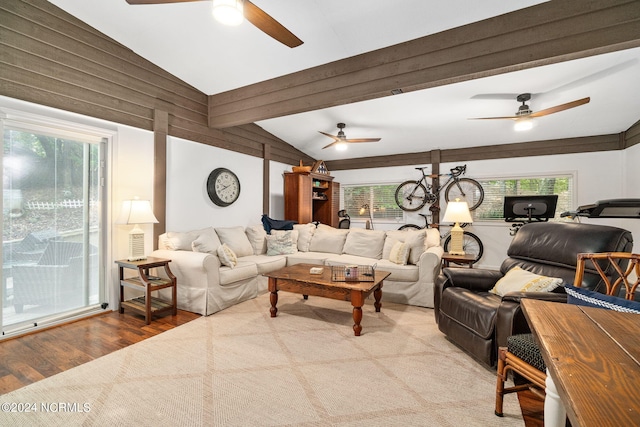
(223, 187)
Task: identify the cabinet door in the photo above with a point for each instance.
(297, 198)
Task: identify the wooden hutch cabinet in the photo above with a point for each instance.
(311, 196)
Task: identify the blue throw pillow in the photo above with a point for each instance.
(580, 296)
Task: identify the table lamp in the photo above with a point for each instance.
(136, 212)
(457, 212)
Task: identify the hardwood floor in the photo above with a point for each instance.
(33, 357)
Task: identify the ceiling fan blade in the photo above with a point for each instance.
(496, 118)
(335, 138)
(265, 23)
(561, 107)
(330, 145)
(158, 1)
(362, 140)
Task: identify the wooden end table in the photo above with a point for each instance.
(148, 305)
(298, 279)
(458, 259)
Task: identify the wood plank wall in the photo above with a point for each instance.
(51, 58)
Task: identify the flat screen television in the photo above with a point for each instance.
(530, 208)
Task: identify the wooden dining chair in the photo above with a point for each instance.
(522, 355)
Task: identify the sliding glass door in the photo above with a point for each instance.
(51, 223)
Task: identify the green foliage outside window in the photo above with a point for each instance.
(495, 189)
(380, 199)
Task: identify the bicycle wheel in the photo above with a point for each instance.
(467, 190)
(410, 227)
(471, 244)
(411, 196)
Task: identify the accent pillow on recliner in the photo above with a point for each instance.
(519, 280)
(585, 297)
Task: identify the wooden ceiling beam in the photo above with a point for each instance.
(547, 33)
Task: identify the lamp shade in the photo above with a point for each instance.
(457, 212)
(136, 212)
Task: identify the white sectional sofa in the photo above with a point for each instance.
(206, 285)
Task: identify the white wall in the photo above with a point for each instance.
(276, 182)
(598, 176)
(188, 205)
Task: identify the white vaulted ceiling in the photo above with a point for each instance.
(185, 40)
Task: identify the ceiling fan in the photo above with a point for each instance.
(524, 114)
(341, 140)
(263, 21)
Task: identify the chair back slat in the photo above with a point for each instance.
(629, 277)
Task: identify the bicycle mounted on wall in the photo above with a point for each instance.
(413, 195)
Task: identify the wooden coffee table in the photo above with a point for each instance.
(298, 279)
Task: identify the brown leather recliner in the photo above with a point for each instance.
(479, 321)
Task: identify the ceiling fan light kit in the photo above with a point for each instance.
(523, 124)
(228, 12)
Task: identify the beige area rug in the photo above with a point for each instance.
(239, 367)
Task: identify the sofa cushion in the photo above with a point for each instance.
(366, 243)
(305, 233)
(399, 273)
(280, 243)
(227, 256)
(328, 239)
(415, 239)
(206, 243)
(349, 260)
(475, 311)
(258, 239)
(181, 240)
(519, 280)
(242, 271)
(307, 258)
(236, 239)
(265, 263)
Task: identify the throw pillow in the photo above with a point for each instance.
(205, 243)
(280, 243)
(236, 239)
(305, 234)
(181, 240)
(581, 296)
(257, 238)
(519, 280)
(294, 236)
(366, 243)
(227, 256)
(415, 239)
(399, 253)
(328, 239)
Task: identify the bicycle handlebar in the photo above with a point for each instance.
(458, 170)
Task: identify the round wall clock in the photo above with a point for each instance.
(223, 187)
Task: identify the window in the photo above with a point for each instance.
(52, 225)
(380, 198)
(495, 190)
